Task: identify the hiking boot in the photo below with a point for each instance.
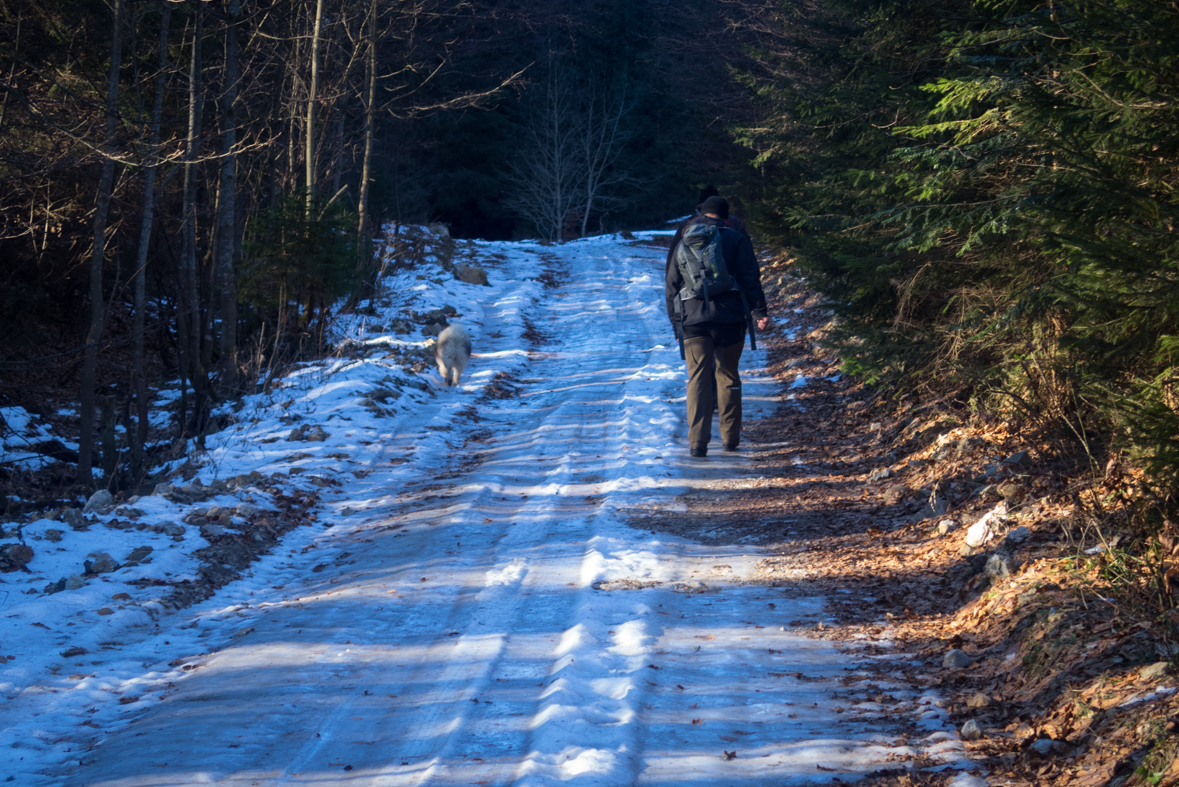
(730, 447)
(698, 450)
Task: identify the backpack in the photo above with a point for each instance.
(701, 262)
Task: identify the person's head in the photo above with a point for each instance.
(705, 193)
(715, 206)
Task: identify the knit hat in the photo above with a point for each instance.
(716, 205)
(705, 193)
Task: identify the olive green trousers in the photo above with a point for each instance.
(707, 364)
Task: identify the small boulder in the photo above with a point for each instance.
(171, 529)
(317, 435)
(100, 563)
(1018, 458)
(209, 532)
(439, 315)
(99, 503)
(433, 329)
(472, 274)
(999, 566)
(894, 494)
(946, 526)
(979, 700)
(956, 659)
(73, 652)
(1011, 492)
(1045, 746)
(72, 582)
(966, 445)
(296, 435)
(1018, 535)
(1154, 671)
(977, 562)
(971, 731)
(247, 510)
(138, 554)
(73, 518)
(120, 524)
(14, 557)
(879, 474)
(985, 529)
(937, 505)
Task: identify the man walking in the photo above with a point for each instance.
(710, 309)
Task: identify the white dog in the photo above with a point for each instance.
(452, 352)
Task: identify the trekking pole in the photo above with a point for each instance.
(679, 333)
(749, 321)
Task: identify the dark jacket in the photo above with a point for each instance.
(726, 307)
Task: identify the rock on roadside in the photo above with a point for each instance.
(14, 557)
(956, 659)
(100, 502)
(986, 528)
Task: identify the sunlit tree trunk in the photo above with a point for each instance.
(364, 239)
(312, 98)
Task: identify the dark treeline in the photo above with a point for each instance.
(190, 186)
(986, 192)
(986, 189)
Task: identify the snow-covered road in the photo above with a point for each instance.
(485, 607)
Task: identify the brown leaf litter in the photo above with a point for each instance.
(876, 496)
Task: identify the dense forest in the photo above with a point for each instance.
(984, 189)
(192, 186)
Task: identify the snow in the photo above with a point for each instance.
(471, 605)
(19, 431)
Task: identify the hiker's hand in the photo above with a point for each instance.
(763, 323)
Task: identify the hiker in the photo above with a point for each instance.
(733, 220)
(713, 294)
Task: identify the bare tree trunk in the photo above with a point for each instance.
(364, 239)
(312, 97)
(602, 138)
(105, 186)
(545, 181)
(188, 322)
(138, 382)
(226, 202)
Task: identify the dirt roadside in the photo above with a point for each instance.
(1052, 683)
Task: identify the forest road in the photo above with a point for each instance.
(496, 615)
